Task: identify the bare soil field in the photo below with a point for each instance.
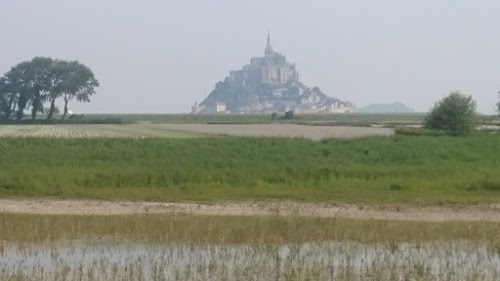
(189, 130)
(279, 130)
(489, 213)
(90, 131)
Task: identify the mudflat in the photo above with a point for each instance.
(487, 213)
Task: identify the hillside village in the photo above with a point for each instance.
(268, 84)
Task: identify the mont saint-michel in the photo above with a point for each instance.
(268, 84)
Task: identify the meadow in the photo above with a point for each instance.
(422, 170)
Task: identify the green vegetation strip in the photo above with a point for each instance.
(229, 230)
(422, 170)
(350, 119)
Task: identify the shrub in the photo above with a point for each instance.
(453, 114)
(289, 115)
(413, 131)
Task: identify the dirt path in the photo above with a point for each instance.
(83, 207)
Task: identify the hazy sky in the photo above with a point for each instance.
(162, 56)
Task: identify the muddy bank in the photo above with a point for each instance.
(92, 207)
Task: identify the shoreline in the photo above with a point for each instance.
(484, 213)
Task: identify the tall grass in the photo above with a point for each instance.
(399, 169)
(253, 230)
(319, 261)
(243, 248)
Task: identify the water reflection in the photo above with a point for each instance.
(318, 261)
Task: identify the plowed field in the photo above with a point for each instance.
(188, 130)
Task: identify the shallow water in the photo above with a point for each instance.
(318, 261)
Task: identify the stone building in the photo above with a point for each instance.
(273, 68)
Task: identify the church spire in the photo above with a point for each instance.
(269, 49)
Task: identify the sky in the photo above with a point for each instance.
(162, 56)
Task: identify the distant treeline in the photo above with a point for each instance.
(37, 84)
(74, 119)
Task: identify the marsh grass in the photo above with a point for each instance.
(318, 261)
(40, 247)
(399, 169)
(236, 230)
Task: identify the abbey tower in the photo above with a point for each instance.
(270, 69)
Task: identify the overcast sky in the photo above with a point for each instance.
(163, 56)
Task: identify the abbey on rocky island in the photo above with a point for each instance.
(268, 84)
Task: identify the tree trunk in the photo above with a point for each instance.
(5, 115)
(19, 114)
(10, 109)
(35, 105)
(21, 105)
(52, 109)
(33, 113)
(66, 100)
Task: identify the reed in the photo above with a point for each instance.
(133, 248)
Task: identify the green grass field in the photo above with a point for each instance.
(361, 119)
(387, 170)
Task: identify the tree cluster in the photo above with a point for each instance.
(37, 84)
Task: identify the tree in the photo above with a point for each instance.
(28, 83)
(58, 75)
(7, 99)
(454, 114)
(498, 104)
(15, 91)
(39, 83)
(289, 115)
(79, 83)
(31, 84)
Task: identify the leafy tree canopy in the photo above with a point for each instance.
(32, 84)
(454, 114)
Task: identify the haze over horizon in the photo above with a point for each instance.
(163, 56)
